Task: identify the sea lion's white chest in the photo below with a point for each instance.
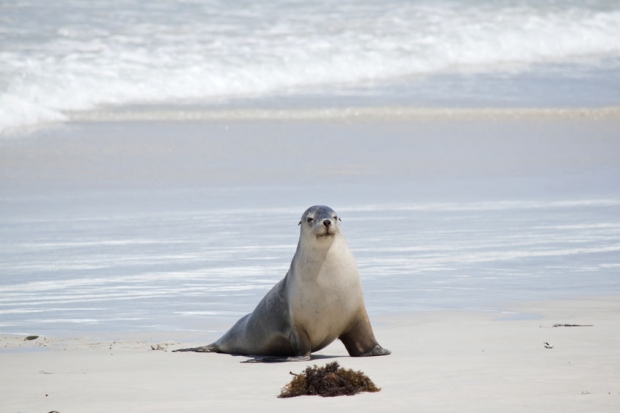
(325, 292)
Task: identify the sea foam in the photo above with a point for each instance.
(75, 56)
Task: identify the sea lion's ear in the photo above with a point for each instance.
(299, 223)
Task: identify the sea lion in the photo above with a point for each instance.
(318, 301)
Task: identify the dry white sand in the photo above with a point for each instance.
(445, 361)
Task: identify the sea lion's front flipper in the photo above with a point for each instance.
(360, 340)
(376, 351)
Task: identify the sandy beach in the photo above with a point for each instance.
(441, 362)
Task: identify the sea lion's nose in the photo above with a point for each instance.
(327, 222)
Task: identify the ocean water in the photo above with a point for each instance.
(71, 55)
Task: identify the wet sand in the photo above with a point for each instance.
(472, 149)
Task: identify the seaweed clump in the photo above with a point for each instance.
(329, 381)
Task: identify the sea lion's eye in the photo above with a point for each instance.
(336, 218)
(310, 220)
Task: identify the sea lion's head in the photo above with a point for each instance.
(321, 221)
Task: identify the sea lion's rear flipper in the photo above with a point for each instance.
(272, 359)
(360, 340)
(210, 348)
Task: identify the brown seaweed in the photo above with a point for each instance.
(329, 381)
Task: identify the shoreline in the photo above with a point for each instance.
(445, 361)
(510, 311)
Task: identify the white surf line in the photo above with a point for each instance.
(346, 113)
